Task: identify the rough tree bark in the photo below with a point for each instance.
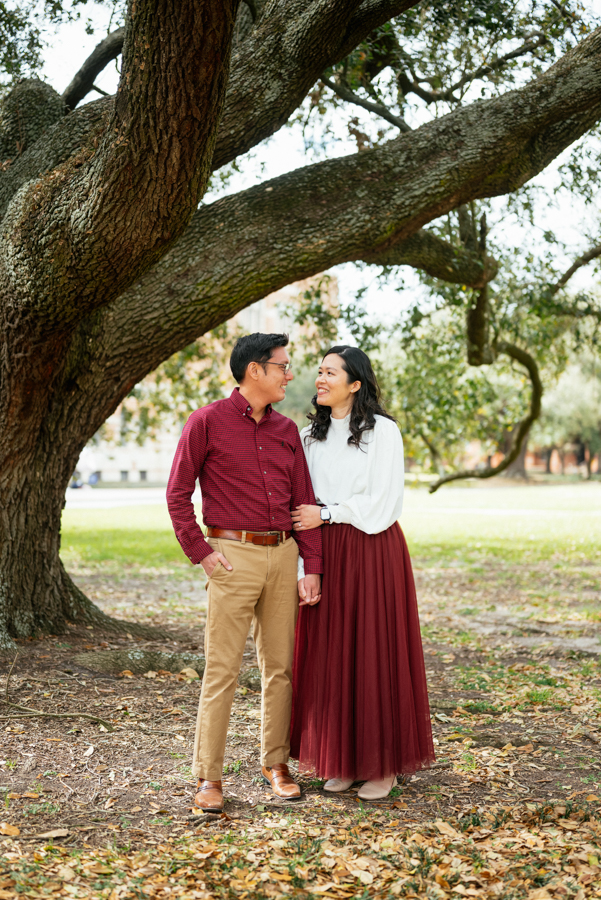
(70, 242)
(102, 280)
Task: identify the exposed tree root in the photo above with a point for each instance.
(81, 610)
(28, 713)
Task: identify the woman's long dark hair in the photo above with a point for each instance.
(366, 401)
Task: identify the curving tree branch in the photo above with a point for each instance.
(83, 82)
(481, 353)
(452, 263)
(415, 87)
(519, 435)
(589, 256)
(345, 93)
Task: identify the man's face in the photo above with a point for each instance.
(273, 381)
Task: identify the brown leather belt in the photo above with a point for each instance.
(263, 538)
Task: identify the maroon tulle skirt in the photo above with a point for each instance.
(360, 707)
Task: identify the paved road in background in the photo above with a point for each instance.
(112, 498)
(483, 501)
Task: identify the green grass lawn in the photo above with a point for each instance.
(131, 536)
(519, 524)
(463, 523)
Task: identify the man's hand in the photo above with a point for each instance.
(309, 590)
(212, 560)
(306, 517)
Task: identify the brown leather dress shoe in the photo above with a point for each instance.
(209, 796)
(281, 783)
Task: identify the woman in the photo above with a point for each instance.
(360, 707)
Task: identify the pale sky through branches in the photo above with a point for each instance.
(574, 223)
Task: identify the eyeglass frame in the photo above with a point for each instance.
(285, 367)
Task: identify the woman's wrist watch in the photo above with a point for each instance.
(325, 515)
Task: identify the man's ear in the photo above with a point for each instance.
(252, 371)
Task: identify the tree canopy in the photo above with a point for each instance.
(111, 263)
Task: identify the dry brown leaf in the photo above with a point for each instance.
(5, 828)
(447, 830)
(99, 869)
(66, 873)
(188, 672)
(364, 877)
(56, 832)
(322, 888)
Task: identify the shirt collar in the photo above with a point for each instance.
(241, 404)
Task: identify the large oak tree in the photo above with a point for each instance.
(108, 264)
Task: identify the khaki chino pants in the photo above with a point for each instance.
(262, 588)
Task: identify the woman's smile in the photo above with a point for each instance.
(333, 386)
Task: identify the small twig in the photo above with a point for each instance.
(33, 713)
(8, 678)
(152, 730)
(29, 713)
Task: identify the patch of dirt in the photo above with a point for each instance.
(513, 722)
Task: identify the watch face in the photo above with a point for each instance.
(325, 515)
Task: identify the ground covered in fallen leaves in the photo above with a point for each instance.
(510, 809)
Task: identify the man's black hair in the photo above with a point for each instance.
(255, 347)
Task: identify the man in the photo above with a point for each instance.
(252, 471)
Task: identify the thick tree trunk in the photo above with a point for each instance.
(36, 593)
(38, 454)
(88, 220)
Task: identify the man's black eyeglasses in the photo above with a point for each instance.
(285, 367)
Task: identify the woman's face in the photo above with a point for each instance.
(333, 388)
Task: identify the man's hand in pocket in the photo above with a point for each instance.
(214, 559)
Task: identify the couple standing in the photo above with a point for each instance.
(354, 679)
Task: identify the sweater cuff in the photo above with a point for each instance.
(341, 514)
(313, 565)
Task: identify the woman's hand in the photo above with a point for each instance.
(306, 517)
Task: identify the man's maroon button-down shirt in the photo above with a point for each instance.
(251, 476)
